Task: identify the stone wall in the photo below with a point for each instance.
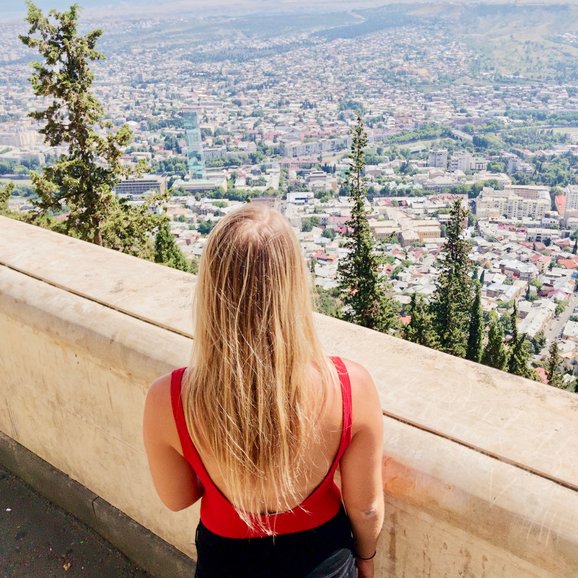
(481, 474)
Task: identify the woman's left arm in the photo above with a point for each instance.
(175, 480)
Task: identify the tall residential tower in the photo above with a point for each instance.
(195, 156)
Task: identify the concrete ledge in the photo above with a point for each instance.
(481, 478)
(139, 544)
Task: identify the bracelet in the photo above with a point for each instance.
(370, 558)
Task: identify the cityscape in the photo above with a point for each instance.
(261, 106)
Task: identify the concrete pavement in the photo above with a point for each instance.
(40, 540)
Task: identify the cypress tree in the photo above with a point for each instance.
(575, 248)
(363, 288)
(554, 366)
(454, 292)
(519, 357)
(514, 322)
(476, 333)
(495, 353)
(482, 277)
(80, 183)
(167, 252)
(420, 329)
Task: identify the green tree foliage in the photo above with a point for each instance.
(5, 193)
(363, 289)
(167, 251)
(518, 363)
(495, 353)
(205, 227)
(538, 342)
(327, 301)
(452, 299)
(307, 223)
(554, 366)
(420, 329)
(476, 330)
(80, 184)
(519, 357)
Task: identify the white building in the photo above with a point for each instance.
(571, 211)
(438, 159)
(514, 202)
(464, 161)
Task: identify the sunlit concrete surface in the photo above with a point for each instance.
(481, 473)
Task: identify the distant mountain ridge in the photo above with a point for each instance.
(19, 5)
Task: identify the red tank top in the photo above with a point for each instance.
(219, 515)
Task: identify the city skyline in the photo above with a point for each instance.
(470, 102)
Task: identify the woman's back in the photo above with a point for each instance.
(262, 415)
(321, 448)
(316, 496)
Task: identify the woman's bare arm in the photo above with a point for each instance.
(361, 467)
(174, 479)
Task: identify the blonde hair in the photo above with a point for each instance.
(249, 398)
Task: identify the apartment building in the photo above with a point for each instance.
(514, 202)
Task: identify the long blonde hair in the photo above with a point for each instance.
(249, 398)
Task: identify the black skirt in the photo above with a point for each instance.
(324, 552)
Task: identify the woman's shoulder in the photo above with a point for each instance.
(159, 392)
(158, 404)
(158, 407)
(364, 396)
(359, 376)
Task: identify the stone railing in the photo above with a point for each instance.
(481, 468)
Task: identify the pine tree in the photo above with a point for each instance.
(519, 357)
(420, 329)
(80, 183)
(514, 322)
(554, 366)
(476, 332)
(167, 251)
(363, 288)
(454, 292)
(495, 353)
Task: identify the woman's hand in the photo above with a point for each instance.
(365, 568)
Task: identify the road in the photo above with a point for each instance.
(557, 325)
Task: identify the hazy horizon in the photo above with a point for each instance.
(16, 8)
(102, 8)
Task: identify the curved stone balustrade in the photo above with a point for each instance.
(481, 468)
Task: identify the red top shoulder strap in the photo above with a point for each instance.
(347, 402)
(189, 450)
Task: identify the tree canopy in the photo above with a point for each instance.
(79, 186)
(364, 289)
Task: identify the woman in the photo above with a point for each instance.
(256, 426)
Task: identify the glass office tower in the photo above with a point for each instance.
(196, 158)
